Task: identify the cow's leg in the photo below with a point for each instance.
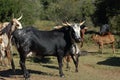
(75, 62)
(2, 61)
(60, 65)
(81, 44)
(8, 55)
(100, 48)
(23, 67)
(10, 59)
(68, 61)
(3, 57)
(113, 47)
(75, 55)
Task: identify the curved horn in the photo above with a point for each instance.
(64, 24)
(68, 24)
(82, 23)
(19, 17)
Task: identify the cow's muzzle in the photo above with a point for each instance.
(78, 40)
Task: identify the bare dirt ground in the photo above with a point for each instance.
(91, 67)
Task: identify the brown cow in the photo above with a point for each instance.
(102, 40)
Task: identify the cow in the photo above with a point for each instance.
(75, 47)
(3, 25)
(5, 42)
(3, 46)
(104, 29)
(31, 41)
(102, 40)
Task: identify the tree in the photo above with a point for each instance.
(70, 10)
(31, 10)
(8, 8)
(105, 11)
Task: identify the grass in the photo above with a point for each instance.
(91, 67)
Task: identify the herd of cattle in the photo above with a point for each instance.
(60, 42)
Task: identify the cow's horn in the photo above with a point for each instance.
(68, 24)
(64, 24)
(19, 17)
(82, 23)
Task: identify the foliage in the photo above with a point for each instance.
(115, 23)
(95, 12)
(70, 10)
(106, 12)
(31, 11)
(8, 8)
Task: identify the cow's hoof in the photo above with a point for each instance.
(27, 78)
(62, 76)
(76, 70)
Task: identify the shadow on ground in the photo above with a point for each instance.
(112, 61)
(9, 73)
(49, 66)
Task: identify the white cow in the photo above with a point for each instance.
(5, 42)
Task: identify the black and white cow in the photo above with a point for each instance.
(58, 42)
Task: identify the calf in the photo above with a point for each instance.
(45, 43)
(102, 40)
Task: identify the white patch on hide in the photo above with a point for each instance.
(75, 49)
(31, 54)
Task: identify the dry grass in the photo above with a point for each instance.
(91, 67)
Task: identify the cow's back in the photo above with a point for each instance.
(106, 39)
(42, 42)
